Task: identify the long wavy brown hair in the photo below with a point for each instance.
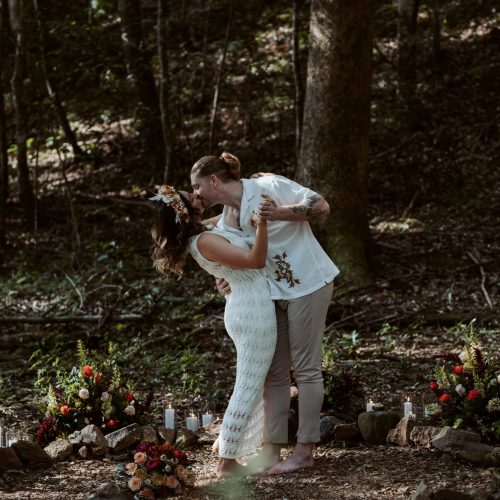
(170, 238)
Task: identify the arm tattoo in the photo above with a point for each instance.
(307, 208)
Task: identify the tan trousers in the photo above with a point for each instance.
(301, 324)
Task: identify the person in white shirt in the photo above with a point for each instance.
(300, 275)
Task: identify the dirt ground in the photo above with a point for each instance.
(339, 473)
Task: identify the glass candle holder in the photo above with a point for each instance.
(192, 422)
(169, 417)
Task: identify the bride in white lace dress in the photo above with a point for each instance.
(249, 315)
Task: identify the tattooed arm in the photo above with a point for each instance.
(312, 206)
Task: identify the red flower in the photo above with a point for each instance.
(433, 385)
(98, 377)
(87, 371)
(153, 463)
(178, 454)
(129, 397)
(111, 423)
(473, 394)
(64, 410)
(459, 369)
(445, 397)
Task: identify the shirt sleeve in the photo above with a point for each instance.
(284, 191)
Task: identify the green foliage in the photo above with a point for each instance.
(343, 389)
(90, 393)
(467, 390)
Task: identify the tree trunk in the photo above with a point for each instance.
(299, 94)
(52, 90)
(142, 77)
(334, 149)
(215, 103)
(436, 32)
(162, 36)
(4, 165)
(18, 22)
(407, 51)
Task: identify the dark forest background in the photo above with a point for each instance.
(388, 109)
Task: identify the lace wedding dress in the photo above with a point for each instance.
(250, 321)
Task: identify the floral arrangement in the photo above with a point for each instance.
(89, 394)
(167, 194)
(467, 392)
(157, 471)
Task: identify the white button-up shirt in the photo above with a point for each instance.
(296, 264)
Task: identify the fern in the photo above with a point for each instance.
(81, 353)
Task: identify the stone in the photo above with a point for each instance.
(477, 453)
(347, 432)
(94, 439)
(59, 450)
(327, 428)
(167, 435)
(449, 494)
(378, 407)
(401, 434)
(125, 438)
(423, 492)
(449, 438)
(149, 434)
(375, 425)
(121, 457)
(108, 489)
(31, 455)
(75, 437)
(9, 460)
(186, 440)
(83, 452)
(422, 435)
(477, 494)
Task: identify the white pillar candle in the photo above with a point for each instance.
(169, 420)
(206, 419)
(407, 408)
(192, 423)
(369, 405)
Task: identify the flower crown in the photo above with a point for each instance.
(168, 194)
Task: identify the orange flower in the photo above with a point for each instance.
(64, 410)
(87, 371)
(171, 482)
(140, 457)
(129, 397)
(134, 483)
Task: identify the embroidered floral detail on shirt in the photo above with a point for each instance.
(284, 271)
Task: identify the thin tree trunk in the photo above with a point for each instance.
(436, 32)
(334, 148)
(52, 90)
(140, 73)
(17, 19)
(4, 163)
(299, 94)
(407, 50)
(162, 35)
(215, 103)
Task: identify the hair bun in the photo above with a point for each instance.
(233, 163)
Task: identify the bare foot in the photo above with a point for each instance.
(293, 463)
(215, 446)
(230, 468)
(265, 459)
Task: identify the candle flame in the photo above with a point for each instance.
(371, 401)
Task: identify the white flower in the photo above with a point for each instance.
(83, 393)
(104, 396)
(129, 410)
(168, 468)
(294, 392)
(460, 389)
(464, 356)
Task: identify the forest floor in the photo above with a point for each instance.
(434, 204)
